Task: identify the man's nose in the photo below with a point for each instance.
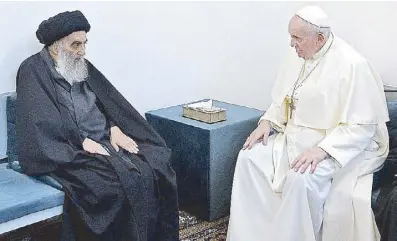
(81, 51)
(292, 43)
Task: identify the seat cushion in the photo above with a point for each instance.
(12, 144)
(11, 134)
(21, 195)
(45, 178)
(381, 176)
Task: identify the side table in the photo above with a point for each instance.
(204, 155)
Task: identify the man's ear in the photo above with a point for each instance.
(54, 50)
(320, 37)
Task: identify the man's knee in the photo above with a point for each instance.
(297, 177)
(258, 151)
(311, 181)
(257, 160)
(243, 160)
(244, 155)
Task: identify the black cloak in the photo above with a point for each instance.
(98, 188)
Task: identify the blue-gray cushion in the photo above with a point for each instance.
(392, 124)
(21, 195)
(386, 174)
(45, 179)
(11, 134)
(12, 144)
(392, 129)
(3, 160)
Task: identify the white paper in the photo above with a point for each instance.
(202, 104)
(205, 106)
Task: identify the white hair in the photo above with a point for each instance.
(326, 31)
(314, 29)
(72, 68)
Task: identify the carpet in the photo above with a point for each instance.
(191, 229)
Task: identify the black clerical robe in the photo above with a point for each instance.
(118, 197)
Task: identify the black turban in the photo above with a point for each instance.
(61, 25)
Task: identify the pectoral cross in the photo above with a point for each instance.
(290, 106)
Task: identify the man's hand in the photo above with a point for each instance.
(261, 132)
(119, 139)
(94, 147)
(312, 156)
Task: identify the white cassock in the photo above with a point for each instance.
(341, 107)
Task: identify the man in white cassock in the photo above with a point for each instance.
(312, 179)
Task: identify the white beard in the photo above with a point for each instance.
(73, 69)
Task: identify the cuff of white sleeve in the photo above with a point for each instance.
(273, 125)
(332, 152)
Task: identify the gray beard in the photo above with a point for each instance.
(73, 69)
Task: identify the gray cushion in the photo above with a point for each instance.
(11, 134)
(392, 129)
(22, 195)
(392, 124)
(12, 144)
(384, 175)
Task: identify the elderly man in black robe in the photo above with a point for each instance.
(73, 125)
